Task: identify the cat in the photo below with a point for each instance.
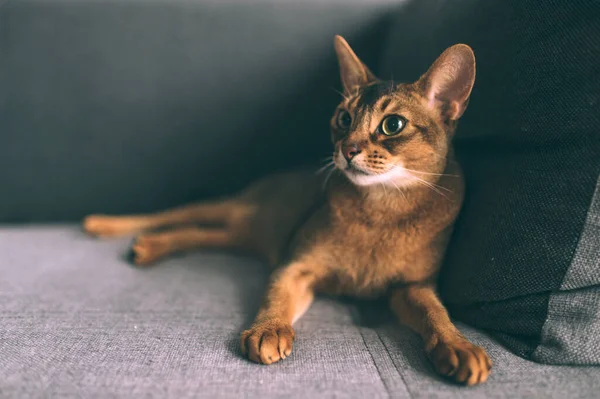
(380, 226)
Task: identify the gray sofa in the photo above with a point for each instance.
(134, 106)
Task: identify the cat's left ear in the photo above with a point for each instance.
(448, 83)
(353, 72)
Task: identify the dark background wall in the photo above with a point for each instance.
(135, 106)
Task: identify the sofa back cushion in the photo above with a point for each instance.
(524, 262)
(134, 106)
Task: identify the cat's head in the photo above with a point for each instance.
(397, 133)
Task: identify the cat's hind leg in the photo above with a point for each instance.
(148, 248)
(212, 213)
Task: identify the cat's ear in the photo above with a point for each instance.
(353, 72)
(448, 82)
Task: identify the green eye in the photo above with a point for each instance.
(344, 120)
(392, 125)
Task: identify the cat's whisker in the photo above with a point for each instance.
(329, 174)
(433, 187)
(330, 164)
(384, 190)
(441, 187)
(432, 174)
(431, 184)
(400, 191)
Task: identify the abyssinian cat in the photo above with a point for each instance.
(380, 227)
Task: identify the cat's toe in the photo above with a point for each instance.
(462, 362)
(268, 342)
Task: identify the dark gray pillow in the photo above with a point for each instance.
(524, 262)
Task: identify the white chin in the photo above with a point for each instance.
(398, 177)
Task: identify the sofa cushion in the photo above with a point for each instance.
(76, 320)
(524, 259)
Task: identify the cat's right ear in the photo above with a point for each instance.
(353, 72)
(449, 81)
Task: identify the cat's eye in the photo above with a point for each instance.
(344, 120)
(392, 125)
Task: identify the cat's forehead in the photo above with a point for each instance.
(377, 97)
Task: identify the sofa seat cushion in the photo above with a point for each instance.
(76, 320)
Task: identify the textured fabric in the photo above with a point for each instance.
(137, 105)
(529, 144)
(585, 269)
(571, 333)
(78, 321)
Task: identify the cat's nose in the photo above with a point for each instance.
(350, 151)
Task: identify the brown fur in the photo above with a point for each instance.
(364, 237)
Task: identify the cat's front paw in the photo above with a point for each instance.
(461, 361)
(268, 341)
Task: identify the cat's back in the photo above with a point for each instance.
(289, 185)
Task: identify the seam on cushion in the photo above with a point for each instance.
(394, 363)
(387, 389)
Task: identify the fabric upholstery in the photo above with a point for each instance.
(529, 144)
(78, 321)
(133, 106)
(570, 333)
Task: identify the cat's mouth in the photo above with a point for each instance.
(396, 176)
(356, 171)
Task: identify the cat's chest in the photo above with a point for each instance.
(364, 260)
